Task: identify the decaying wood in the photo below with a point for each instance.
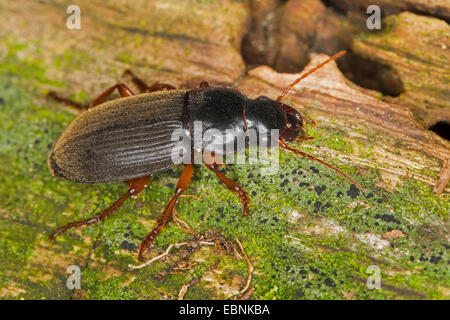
(305, 27)
(438, 8)
(444, 177)
(157, 37)
(417, 48)
(184, 288)
(159, 41)
(408, 58)
(258, 44)
(284, 34)
(333, 101)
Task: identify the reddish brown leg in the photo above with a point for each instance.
(244, 118)
(182, 185)
(135, 187)
(213, 165)
(136, 80)
(143, 87)
(68, 102)
(304, 138)
(123, 90)
(159, 86)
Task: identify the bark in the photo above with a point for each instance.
(354, 110)
(437, 8)
(416, 47)
(310, 234)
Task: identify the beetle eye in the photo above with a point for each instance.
(299, 120)
(262, 98)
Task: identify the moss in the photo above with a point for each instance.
(126, 57)
(71, 59)
(421, 68)
(25, 65)
(331, 138)
(111, 288)
(296, 256)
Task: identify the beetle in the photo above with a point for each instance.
(129, 138)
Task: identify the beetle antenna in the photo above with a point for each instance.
(303, 76)
(305, 155)
(304, 137)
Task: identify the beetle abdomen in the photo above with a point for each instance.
(121, 139)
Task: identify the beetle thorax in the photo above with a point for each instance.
(229, 114)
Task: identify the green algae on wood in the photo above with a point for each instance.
(310, 233)
(292, 262)
(417, 48)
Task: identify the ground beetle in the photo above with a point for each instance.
(129, 139)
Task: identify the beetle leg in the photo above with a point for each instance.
(183, 183)
(157, 86)
(304, 137)
(135, 187)
(143, 87)
(54, 95)
(244, 118)
(213, 165)
(123, 90)
(136, 80)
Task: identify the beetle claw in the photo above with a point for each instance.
(142, 249)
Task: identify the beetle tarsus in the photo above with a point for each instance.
(183, 183)
(158, 86)
(229, 183)
(123, 90)
(143, 87)
(68, 102)
(135, 187)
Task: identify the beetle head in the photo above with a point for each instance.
(294, 123)
(288, 120)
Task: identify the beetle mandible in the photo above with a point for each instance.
(129, 139)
